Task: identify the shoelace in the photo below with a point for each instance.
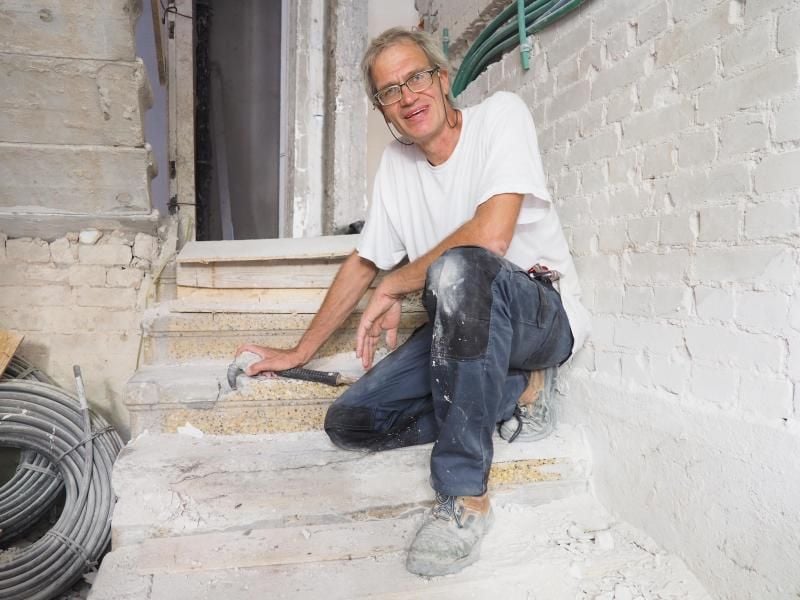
(523, 414)
(446, 509)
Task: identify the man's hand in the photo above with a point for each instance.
(382, 314)
(272, 359)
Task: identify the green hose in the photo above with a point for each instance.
(488, 42)
(524, 46)
(507, 30)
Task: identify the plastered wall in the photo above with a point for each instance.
(670, 131)
(73, 157)
(79, 303)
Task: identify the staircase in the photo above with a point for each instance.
(227, 294)
(238, 495)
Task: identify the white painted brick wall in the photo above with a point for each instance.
(685, 222)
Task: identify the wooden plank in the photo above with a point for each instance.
(324, 247)
(256, 275)
(9, 342)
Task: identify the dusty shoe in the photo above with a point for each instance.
(535, 416)
(450, 537)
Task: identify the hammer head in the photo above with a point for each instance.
(238, 366)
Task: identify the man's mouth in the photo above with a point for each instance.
(416, 113)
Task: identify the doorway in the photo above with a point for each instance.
(239, 127)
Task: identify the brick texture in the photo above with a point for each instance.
(674, 163)
(78, 304)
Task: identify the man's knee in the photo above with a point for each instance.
(458, 297)
(461, 267)
(349, 427)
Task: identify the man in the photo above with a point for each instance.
(462, 195)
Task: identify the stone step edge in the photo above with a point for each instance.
(529, 493)
(271, 250)
(287, 545)
(229, 302)
(178, 500)
(205, 383)
(314, 450)
(568, 548)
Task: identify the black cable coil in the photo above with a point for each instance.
(19, 368)
(36, 484)
(49, 421)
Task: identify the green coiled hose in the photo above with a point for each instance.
(504, 33)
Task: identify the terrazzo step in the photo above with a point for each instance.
(179, 485)
(162, 398)
(181, 331)
(561, 550)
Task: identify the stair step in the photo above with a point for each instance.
(277, 263)
(226, 483)
(528, 553)
(272, 250)
(162, 398)
(178, 335)
(264, 300)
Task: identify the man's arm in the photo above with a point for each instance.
(492, 227)
(351, 282)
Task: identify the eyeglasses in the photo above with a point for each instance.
(418, 82)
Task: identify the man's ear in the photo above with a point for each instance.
(444, 77)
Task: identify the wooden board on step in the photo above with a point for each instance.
(9, 342)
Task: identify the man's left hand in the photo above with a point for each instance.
(382, 314)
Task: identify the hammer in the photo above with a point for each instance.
(245, 359)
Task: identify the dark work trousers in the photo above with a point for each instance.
(460, 374)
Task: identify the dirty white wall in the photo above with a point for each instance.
(327, 176)
(73, 157)
(670, 131)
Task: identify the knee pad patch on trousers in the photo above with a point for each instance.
(458, 297)
(348, 418)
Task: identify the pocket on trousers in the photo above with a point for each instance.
(541, 315)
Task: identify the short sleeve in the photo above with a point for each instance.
(379, 241)
(513, 163)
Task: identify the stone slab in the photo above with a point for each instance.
(40, 178)
(547, 551)
(62, 101)
(263, 300)
(182, 347)
(51, 226)
(58, 28)
(215, 330)
(254, 274)
(162, 398)
(307, 248)
(221, 483)
(161, 322)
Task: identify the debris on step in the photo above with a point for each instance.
(527, 554)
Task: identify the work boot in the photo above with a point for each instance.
(535, 415)
(450, 537)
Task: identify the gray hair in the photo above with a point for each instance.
(399, 35)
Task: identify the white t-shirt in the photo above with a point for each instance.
(415, 205)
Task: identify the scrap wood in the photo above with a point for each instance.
(9, 342)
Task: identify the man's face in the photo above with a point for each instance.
(420, 116)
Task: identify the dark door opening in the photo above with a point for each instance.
(237, 118)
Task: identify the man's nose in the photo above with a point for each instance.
(406, 95)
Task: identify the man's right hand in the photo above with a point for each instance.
(272, 359)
